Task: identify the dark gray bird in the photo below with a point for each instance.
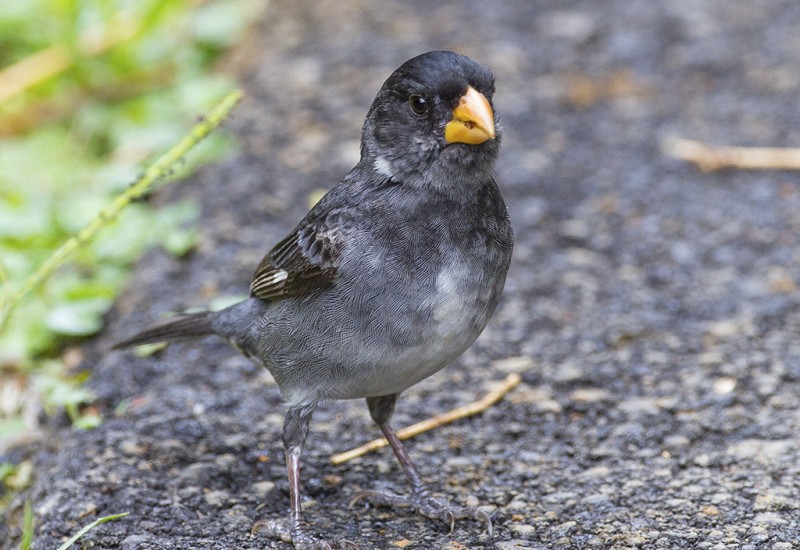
(390, 277)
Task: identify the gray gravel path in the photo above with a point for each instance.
(651, 309)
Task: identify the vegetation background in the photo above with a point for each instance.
(90, 92)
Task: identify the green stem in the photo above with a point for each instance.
(89, 527)
(146, 182)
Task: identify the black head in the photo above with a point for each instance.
(433, 121)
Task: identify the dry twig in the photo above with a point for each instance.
(709, 159)
(437, 421)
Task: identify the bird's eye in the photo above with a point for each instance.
(419, 104)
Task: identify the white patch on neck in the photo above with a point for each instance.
(383, 167)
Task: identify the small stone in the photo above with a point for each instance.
(728, 328)
(710, 510)
(520, 363)
(638, 406)
(719, 498)
(226, 461)
(577, 230)
(560, 497)
(333, 480)
(771, 503)
(702, 460)
(518, 504)
(567, 526)
(568, 371)
(764, 451)
(676, 441)
(261, 488)
(473, 502)
(596, 499)
(216, 498)
(590, 395)
(711, 359)
(516, 544)
(136, 541)
(132, 448)
(197, 473)
(678, 503)
(523, 530)
(780, 280)
(540, 398)
(596, 472)
(769, 518)
(724, 385)
(459, 462)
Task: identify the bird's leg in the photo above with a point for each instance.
(381, 409)
(295, 430)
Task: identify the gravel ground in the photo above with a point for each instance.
(651, 309)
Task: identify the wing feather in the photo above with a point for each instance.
(301, 263)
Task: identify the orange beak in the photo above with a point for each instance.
(473, 120)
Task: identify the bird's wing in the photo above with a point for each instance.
(304, 261)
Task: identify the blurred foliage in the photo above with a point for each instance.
(91, 90)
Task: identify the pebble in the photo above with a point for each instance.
(768, 502)
(515, 544)
(769, 518)
(516, 364)
(764, 451)
(589, 395)
(217, 498)
(523, 530)
(261, 488)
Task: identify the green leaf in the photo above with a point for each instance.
(89, 527)
(60, 391)
(79, 317)
(27, 527)
(180, 243)
(87, 422)
(9, 429)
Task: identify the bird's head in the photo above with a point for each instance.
(433, 121)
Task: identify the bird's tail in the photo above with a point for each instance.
(182, 327)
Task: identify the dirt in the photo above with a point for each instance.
(651, 309)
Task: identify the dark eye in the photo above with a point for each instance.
(419, 104)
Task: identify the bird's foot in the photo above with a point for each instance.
(300, 538)
(426, 505)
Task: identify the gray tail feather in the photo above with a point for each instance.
(190, 325)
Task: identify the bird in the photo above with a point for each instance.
(389, 277)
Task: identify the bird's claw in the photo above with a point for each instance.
(481, 515)
(427, 506)
(308, 542)
(300, 538)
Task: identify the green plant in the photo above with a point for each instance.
(91, 90)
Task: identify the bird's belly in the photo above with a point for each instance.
(362, 341)
(437, 329)
(396, 372)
